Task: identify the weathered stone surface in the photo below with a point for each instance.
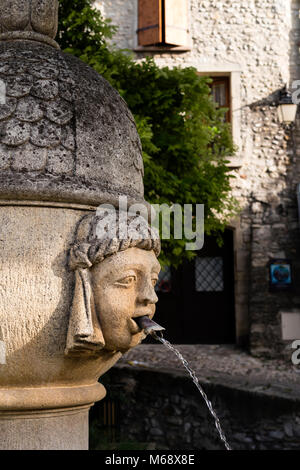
(44, 16)
(68, 138)
(7, 109)
(45, 134)
(15, 133)
(15, 15)
(41, 433)
(18, 86)
(29, 110)
(5, 157)
(59, 112)
(36, 15)
(60, 161)
(260, 424)
(59, 100)
(44, 71)
(22, 162)
(45, 89)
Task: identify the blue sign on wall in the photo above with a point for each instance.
(280, 274)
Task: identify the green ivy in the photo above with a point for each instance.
(185, 139)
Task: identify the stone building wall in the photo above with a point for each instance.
(123, 13)
(167, 410)
(256, 44)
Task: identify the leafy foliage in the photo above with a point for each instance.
(185, 139)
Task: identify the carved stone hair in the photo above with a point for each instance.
(91, 248)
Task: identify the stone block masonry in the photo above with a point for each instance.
(164, 408)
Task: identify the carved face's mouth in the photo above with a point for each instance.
(135, 322)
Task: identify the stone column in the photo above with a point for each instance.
(67, 144)
(44, 395)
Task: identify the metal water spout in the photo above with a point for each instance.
(149, 326)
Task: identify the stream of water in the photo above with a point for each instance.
(168, 345)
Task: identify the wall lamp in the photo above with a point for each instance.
(286, 108)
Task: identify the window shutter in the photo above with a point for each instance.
(150, 22)
(176, 22)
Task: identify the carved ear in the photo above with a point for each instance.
(84, 332)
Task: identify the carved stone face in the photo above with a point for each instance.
(123, 288)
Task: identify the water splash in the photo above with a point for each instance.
(168, 345)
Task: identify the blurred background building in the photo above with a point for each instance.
(248, 291)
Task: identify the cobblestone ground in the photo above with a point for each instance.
(225, 364)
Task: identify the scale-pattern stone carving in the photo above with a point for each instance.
(34, 115)
(64, 128)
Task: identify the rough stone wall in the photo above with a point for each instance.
(259, 38)
(166, 409)
(123, 13)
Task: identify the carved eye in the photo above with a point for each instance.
(154, 281)
(127, 281)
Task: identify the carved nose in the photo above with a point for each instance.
(148, 294)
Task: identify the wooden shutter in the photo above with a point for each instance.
(150, 22)
(176, 22)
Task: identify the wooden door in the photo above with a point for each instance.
(198, 305)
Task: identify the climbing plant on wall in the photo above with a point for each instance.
(185, 139)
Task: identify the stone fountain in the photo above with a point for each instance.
(68, 143)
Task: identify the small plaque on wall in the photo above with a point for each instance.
(280, 275)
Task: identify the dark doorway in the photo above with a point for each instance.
(196, 302)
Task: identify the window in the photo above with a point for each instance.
(220, 87)
(231, 75)
(209, 274)
(162, 23)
